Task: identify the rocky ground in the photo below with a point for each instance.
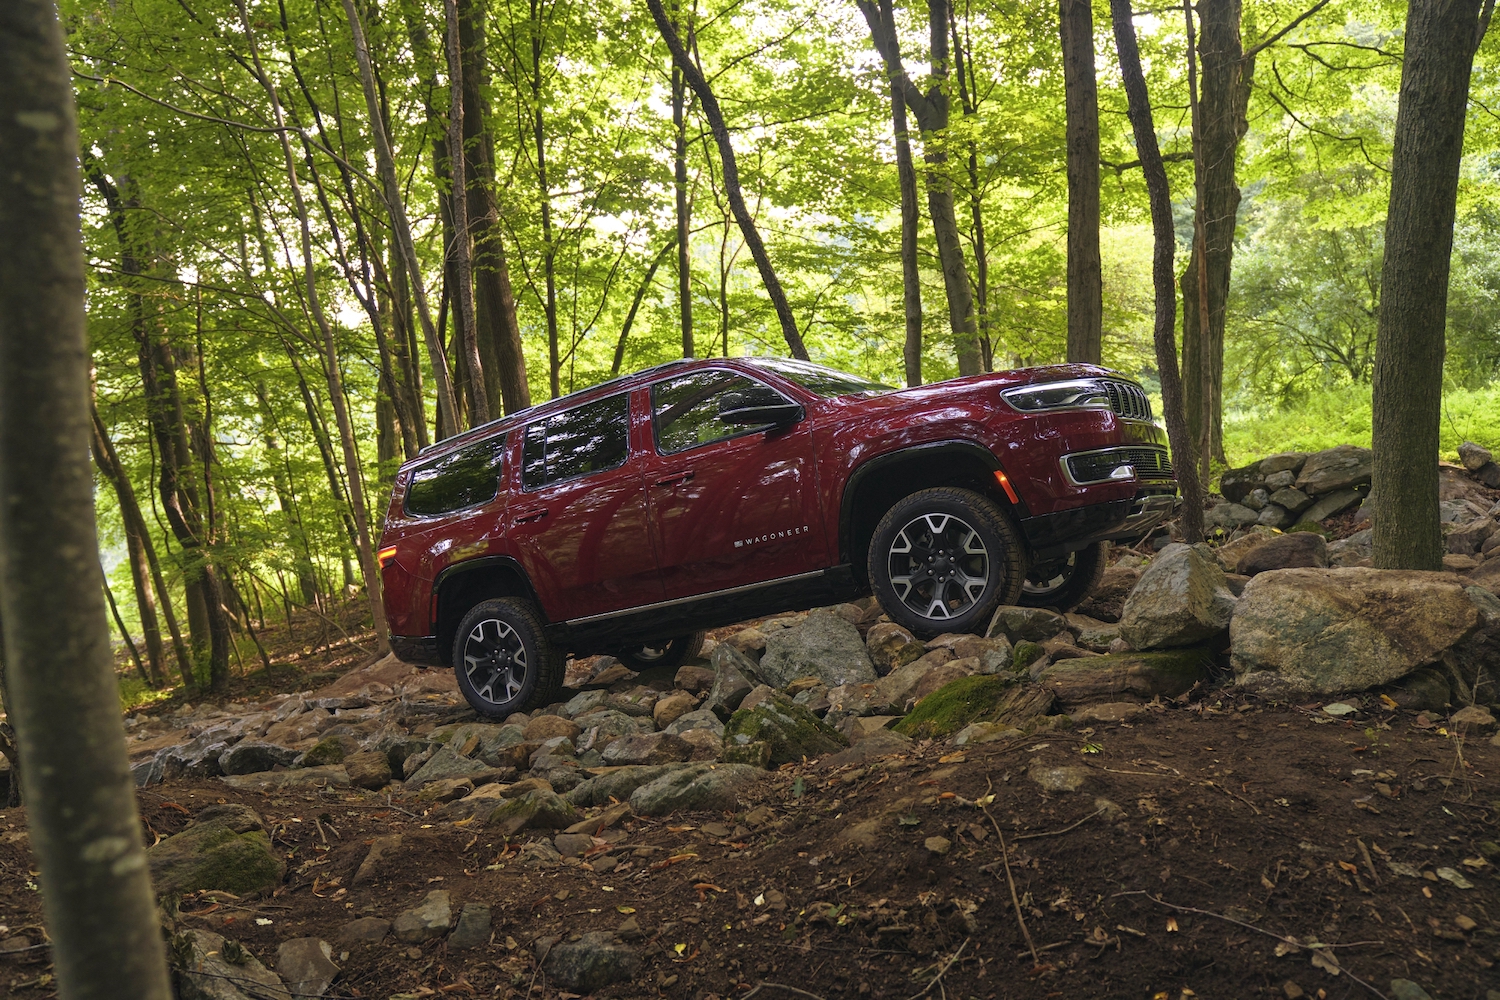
(1240, 771)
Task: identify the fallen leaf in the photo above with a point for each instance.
(1172, 924)
(1452, 875)
(1323, 960)
(953, 758)
(626, 909)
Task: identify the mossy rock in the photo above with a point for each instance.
(212, 855)
(1166, 673)
(326, 751)
(1026, 653)
(792, 731)
(1312, 526)
(954, 705)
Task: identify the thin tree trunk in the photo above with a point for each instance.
(385, 163)
(731, 178)
(1164, 243)
(680, 192)
(968, 95)
(61, 692)
(463, 257)
(135, 654)
(355, 480)
(931, 109)
(635, 304)
(1081, 100)
(495, 299)
(1441, 36)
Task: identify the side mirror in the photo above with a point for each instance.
(734, 408)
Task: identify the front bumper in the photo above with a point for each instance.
(418, 649)
(1129, 520)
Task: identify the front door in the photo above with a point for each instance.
(730, 505)
(580, 523)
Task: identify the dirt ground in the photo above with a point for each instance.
(1223, 849)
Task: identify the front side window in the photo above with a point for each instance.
(588, 438)
(826, 382)
(465, 478)
(685, 410)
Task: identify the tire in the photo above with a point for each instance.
(663, 652)
(1063, 584)
(502, 659)
(977, 558)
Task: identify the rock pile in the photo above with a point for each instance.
(1293, 488)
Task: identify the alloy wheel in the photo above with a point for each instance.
(495, 661)
(939, 565)
(1050, 576)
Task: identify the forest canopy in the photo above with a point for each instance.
(287, 300)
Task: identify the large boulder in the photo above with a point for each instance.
(1181, 600)
(1300, 548)
(995, 698)
(596, 960)
(1338, 468)
(823, 646)
(226, 849)
(1327, 631)
(1473, 456)
(699, 787)
(216, 969)
(1126, 675)
(1332, 503)
(791, 730)
(1284, 461)
(538, 809)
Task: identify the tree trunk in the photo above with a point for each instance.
(385, 163)
(931, 109)
(968, 95)
(494, 297)
(680, 192)
(731, 178)
(544, 191)
(635, 304)
(1164, 330)
(62, 696)
(462, 253)
(355, 478)
(1441, 36)
(1221, 124)
(1081, 99)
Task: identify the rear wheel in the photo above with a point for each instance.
(943, 559)
(502, 659)
(1064, 583)
(663, 652)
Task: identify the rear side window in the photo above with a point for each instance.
(464, 478)
(686, 409)
(588, 438)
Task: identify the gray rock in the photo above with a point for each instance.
(647, 748)
(1181, 599)
(1236, 483)
(1019, 624)
(368, 769)
(585, 701)
(1125, 675)
(891, 646)
(1351, 550)
(1489, 476)
(824, 646)
(732, 670)
(1282, 462)
(306, 966)
(1467, 540)
(1405, 989)
(1328, 631)
(698, 787)
(209, 975)
(429, 919)
(1331, 504)
(1058, 779)
(572, 845)
(1294, 500)
(1487, 603)
(1257, 498)
(1273, 515)
(539, 809)
(473, 928)
(602, 728)
(1300, 548)
(1473, 456)
(248, 757)
(596, 960)
(1337, 468)
(792, 731)
(332, 776)
(1280, 480)
(618, 785)
(1230, 516)
(446, 763)
(219, 852)
(365, 930)
(699, 719)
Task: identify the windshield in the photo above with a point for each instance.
(823, 381)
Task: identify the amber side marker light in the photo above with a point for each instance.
(1005, 485)
(385, 556)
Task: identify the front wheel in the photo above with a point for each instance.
(502, 659)
(943, 559)
(663, 652)
(1063, 584)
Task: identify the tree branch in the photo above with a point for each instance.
(1256, 49)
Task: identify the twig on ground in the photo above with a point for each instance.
(1259, 930)
(941, 972)
(1009, 879)
(1234, 795)
(1369, 862)
(1054, 833)
(779, 986)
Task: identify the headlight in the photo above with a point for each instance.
(1079, 394)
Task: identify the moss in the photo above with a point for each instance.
(792, 731)
(1311, 526)
(327, 751)
(955, 705)
(212, 856)
(1026, 654)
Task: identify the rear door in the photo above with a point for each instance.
(579, 524)
(730, 505)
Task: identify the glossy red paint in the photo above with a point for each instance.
(663, 528)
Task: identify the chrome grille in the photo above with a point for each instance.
(1096, 466)
(1127, 399)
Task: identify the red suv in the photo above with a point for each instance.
(628, 517)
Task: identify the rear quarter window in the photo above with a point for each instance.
(464, 478)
